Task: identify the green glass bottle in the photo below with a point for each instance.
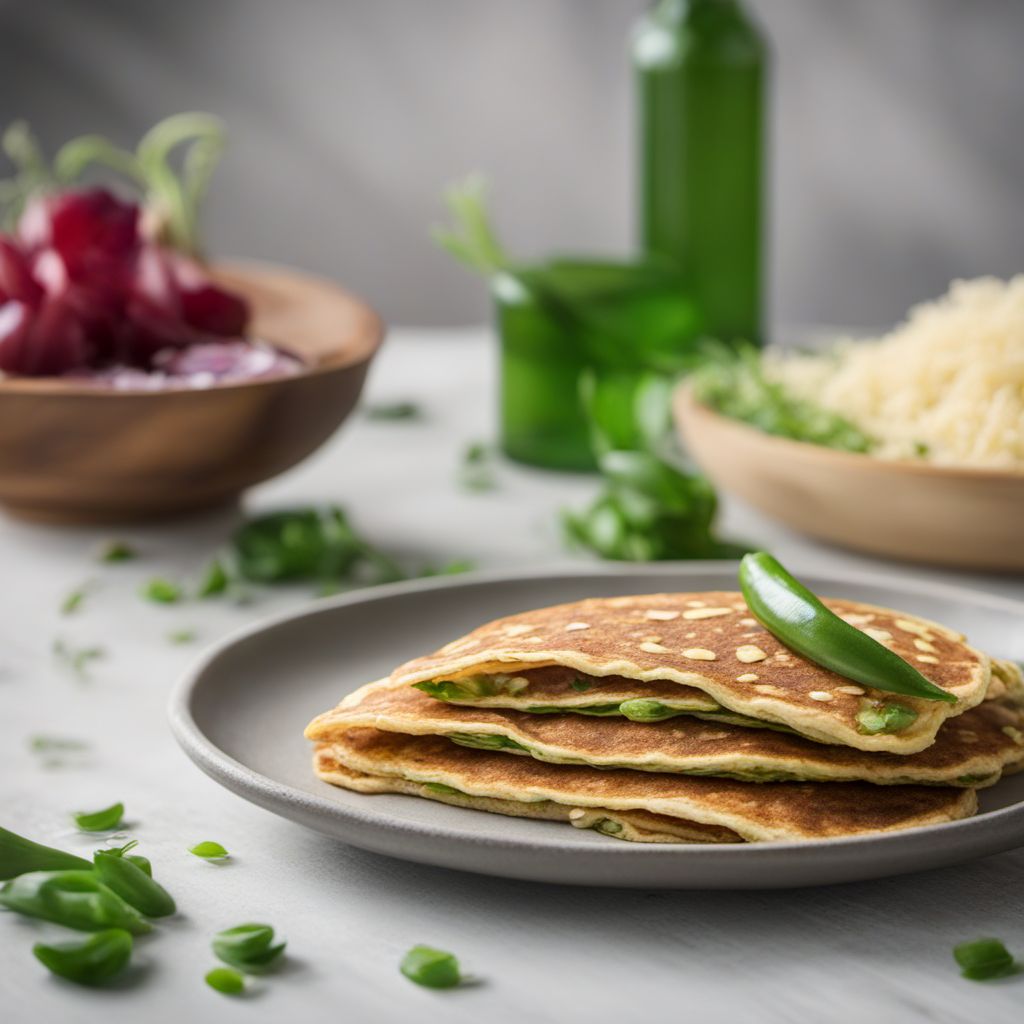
(701, 69)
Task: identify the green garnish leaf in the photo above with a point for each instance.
(78, 659)
(19, 856)
(226, 980)
(117, 551)
(885, 716)
(75, 899)
(649, 511)
(471, 239)
(105, 820)
(215, 580)
(389, 411)
(432, 968)
(477, 472)
(734, 383)
(162, 591)
(183, 636)
(90, 961)
(248, 947)
(209, 850)
(73, 601)
(984, 959)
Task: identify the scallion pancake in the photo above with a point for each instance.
(370, 760)
(972, 750)
(709, 643)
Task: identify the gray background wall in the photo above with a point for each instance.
(898, 140)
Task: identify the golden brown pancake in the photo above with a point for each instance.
(767, 812)
(711, 643)
(971, 750)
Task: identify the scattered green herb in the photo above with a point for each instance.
(885, 716)
(441, 789)
(477, 472)
(75, 899)
(432, 968)
(985, 959)
(74, 600)
(117, 551)
(19, 855)
(209, 850)
(649, 511)
(134, 885)
(90, 961)
(309, 544)
(105, 820)
(581, 685)
(734, 383)
(226, 980)
(183, 636)
(215, 580)
(393, 411)
(248, 947)
(78, 659)
(56, 744)
(162, 591)
(642, 709)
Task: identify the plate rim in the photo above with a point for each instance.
(270, 793)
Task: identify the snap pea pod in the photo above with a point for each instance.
(788, 610)
(91, 961)
(133, 884)
(76, 899)
(19, 855)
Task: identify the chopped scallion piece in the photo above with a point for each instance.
(248, 947)
(393, 411)
(91, 961)
(226, 980)
(215, 580)
(105, 820)
(162, 591)
(985, 959)
(117, 551)
(183, 636)
(432, 968)
(209, 850)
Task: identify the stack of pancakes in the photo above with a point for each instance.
(678, 718)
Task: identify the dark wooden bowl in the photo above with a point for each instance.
(72, 452)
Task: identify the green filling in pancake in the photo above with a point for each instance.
(703, 654)
(972, 750)
(370, 760)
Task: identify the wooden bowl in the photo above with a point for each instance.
(968, 518)
(73, 452)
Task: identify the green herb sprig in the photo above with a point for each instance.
(248, 947)
(209, 850)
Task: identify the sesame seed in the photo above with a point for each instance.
(913, 627)
(576, 813)
(747, 677)
(699, 654)
(653, 648)
(518, 629)
(574, 626)
(924, 645)
(696, 604)
(881, 635)
(706, 613)
(853, 691)
(928, 659)
(660, 616)
(749, 653)
(821, 695)
(748, 622)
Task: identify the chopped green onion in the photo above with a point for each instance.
(642, 709)
(132, 883)
(985, 959)
(209, 850)
(885, 716)
(215, 580)
(441, 789)
(162, 591)
(393, 411)
(248, 947)
(183, 636)
(78, 659)
(226, 980)
(90, 961)
(432, 968)
(117, 551)
(73, 602)
(105, 820)
(477, 472)
(581, 685)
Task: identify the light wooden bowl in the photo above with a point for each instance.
(968, 518)
(73, 452)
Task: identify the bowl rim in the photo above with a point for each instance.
(63, 387)
(686, 403)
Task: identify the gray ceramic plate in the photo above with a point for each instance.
(239, 714)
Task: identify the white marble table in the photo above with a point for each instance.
(878, 951)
